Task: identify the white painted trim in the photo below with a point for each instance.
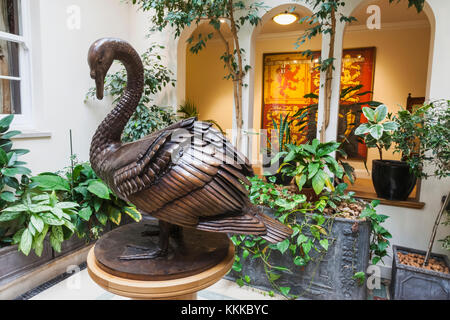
(11, 37)
(23, 120)
(10, 78)
(30, 134)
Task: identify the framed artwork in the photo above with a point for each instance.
(289, 77)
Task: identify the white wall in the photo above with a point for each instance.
(61, 77)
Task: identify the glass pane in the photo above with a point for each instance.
(9, 16)
(9, 59)
(10, 97)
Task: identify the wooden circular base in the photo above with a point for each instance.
(185, 288)
(190, 252)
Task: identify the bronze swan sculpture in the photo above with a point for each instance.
(187, 174)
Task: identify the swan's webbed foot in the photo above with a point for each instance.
(150, 254)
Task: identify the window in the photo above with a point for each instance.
(14, 60)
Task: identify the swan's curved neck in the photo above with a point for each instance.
(108, 134)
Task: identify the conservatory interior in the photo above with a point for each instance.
(224, 150)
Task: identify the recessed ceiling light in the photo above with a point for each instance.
(285, 18)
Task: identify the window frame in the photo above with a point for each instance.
(24, 119)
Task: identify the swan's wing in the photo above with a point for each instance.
(132, 169)
(201, 176)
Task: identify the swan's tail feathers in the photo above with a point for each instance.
(275, 230)
(252, 222)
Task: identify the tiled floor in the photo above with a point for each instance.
(80, 287)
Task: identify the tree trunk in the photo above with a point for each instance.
(238, 80)
(329, 79)
(435, 227)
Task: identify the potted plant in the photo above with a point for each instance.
(392, 180)
(328, 252)
(309, 164)
(418, 274)
(278, 143)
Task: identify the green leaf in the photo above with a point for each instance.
(380, 113)
(360, 276)
(283, 245)
(50, 219)
(240, 282)
(318, 182)
(37, 222)
(362, 129)
(18, 235)
(25, 242)
(133, 213)
(12, 172)
(307, 246)
(301, 239)
(51, 182)
(9, 216)
(274, 276)
(324, 243)
(3, 157)
(85, 213)
(37, 208)
(67, 205)
(55, 243)
(57, 212)
(57, 232)
(312, 169)
(102, 218)
(369, 114)
(299, 261)
(5, 122)
(114, 214)
(285, 290)
(390, 126)
(38, 242)
(99, 189)
(376, 131)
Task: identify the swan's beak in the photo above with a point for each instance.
(100, 85)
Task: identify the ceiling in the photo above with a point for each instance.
(390, 13)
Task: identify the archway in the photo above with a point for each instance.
(392, 61)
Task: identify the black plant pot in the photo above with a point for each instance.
(392, 179)
(280, 178)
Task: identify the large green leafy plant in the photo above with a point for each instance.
(10, 166)
(147, 118)
(423, 138)
(98, 204)
(377, 133)
(40, 214)
(312, 225)
(13, 177)
(309, 164)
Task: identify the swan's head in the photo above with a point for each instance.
(100, 58)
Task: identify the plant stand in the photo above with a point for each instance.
(195, 261)
(327, 278)
(411, 283)
(14, 263)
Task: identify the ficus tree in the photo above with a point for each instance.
(323, 20)
(180, 14)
